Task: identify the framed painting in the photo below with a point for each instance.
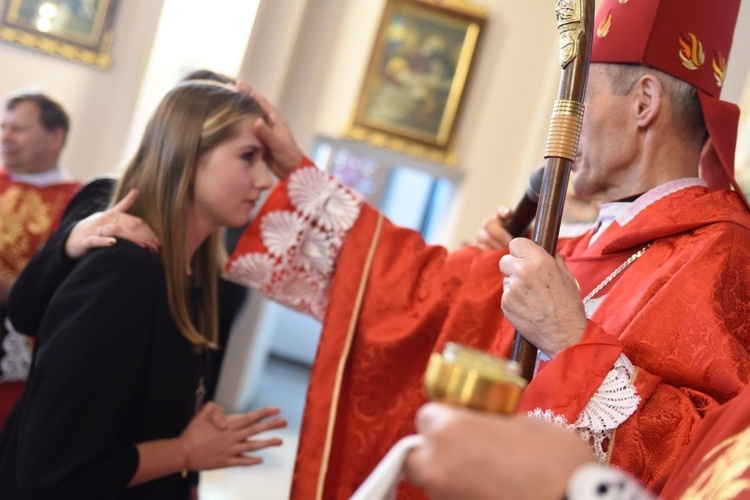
(78, 30)
(418, 71)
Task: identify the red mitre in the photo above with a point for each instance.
(690, 40)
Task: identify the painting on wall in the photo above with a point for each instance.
(417, 74)
(78, 30)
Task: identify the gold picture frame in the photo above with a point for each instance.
(77, 30)
(415, 81)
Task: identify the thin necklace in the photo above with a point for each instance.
(617, 271)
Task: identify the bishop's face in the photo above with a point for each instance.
(608, 147)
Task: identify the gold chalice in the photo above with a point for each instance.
(474, 379)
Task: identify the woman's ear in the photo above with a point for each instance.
(648, 94)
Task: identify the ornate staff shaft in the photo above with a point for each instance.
(575, 21)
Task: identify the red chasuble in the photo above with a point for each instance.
(717, 464)
(28, 215)
(387, 301)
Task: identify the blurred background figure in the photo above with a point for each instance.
(34, 190)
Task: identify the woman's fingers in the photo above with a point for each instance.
(263, 426)
(243, 461)
(242, 420)
(127, 202)
(253, 445)
(249, 430)
(129, 227)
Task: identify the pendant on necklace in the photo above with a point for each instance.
(200, 394)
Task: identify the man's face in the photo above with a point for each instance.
(27, 147)
(608, 147)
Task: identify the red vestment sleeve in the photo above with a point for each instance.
(680, 313)
(367, 380)
(650, 440)
(682, 330)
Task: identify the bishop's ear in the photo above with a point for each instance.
(648, 94)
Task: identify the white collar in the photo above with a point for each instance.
(650, 197)
(623, 212)
(42, 179)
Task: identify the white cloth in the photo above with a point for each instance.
(623, 212)
(608, 212)
(382, 482)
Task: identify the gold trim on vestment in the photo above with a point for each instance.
(344, 358)
(725, 467)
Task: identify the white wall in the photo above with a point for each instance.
(189, 37)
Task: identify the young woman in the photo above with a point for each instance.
(114, 402)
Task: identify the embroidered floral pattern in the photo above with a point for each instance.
(301, 245)
(612, 403)
(280, 230)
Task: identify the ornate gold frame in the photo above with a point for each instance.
(415, 81)
(78, 35)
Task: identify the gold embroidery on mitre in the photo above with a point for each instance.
(725, 466)
(719, 64)
(691, 52)
(623, 1)
(604, 26)
(24, 215)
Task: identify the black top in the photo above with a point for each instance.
(34, 287)
(49, 266)
(110, 370)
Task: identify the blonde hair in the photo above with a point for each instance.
(191, 119)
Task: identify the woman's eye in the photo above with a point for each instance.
(249, 156)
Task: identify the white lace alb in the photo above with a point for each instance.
(612, 403)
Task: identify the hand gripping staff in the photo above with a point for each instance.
(466, 377)
(575, 22)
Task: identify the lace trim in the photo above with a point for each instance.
(612, 403)
(301, 245)
(550, 416)
(15, 363)
(655, 195)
